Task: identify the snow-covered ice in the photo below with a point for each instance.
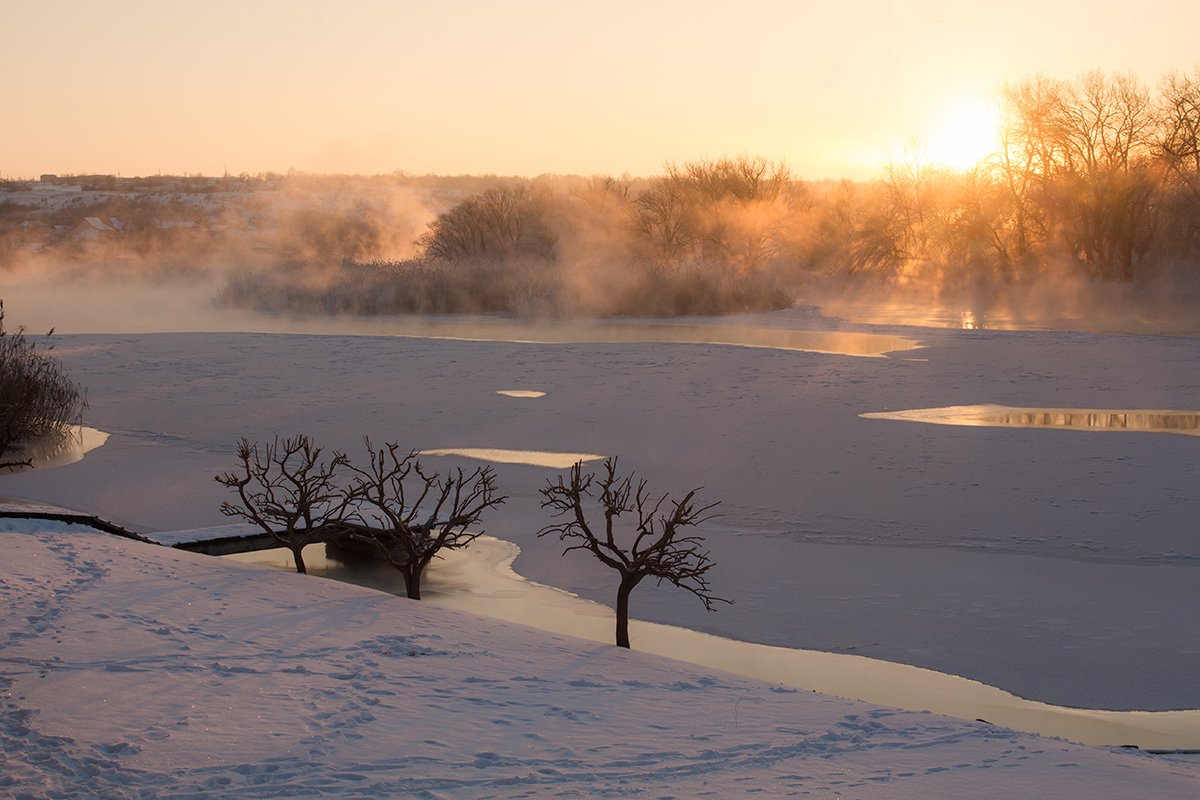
(1058, 565)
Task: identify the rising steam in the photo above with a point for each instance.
(1088, 207)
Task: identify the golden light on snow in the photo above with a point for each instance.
(536, 458)
(520, 393)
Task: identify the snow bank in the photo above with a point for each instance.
(132, 670)
(481, 580)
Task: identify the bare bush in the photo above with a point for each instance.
(498, 224)
(38, 400)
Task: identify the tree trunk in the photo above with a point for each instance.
(298, 557)
(412, 582)
(627, 585)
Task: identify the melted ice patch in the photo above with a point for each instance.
(60, 452)
(520, 393)
(536, 458)
(1076, 419)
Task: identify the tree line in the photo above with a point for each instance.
(1099, 176)
(1095, 179)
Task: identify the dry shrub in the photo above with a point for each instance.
(38, 400)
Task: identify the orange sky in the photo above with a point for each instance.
(526, 87)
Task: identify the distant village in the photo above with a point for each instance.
(183, 218)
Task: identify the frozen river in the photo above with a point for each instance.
(1060, 565)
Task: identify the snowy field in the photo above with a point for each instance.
(1060, 566)
(135, 671)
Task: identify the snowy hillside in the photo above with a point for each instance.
(135, 671)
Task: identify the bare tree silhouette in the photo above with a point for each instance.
(658, 549)
(410, 515)
(287, 490)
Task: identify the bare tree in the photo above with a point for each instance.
(502, 222)
(909, 185)
(287, 490)
(1177, 149)
(1077, 158)
(731, 212)
(411, 515)
(1178, 138)
(661, 219)
(658, 549)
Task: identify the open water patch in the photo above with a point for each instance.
(58, 451)
(1074, 419)
(484, 329)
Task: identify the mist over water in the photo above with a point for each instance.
(340, 256)
(173, 308)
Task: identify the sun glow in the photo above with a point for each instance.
(964, 136)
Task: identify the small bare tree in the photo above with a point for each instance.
(411, 515)
(658, 549)
(287, 490)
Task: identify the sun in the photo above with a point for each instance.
(964, 135)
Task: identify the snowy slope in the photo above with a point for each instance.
(132, 670)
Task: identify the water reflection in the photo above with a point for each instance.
(484, 329)
(972, 321)
(1018, 316)
(59, 451)
(167, 309)
(481, 580)
(1174, 422)
(1079, 419)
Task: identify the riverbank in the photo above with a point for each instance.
(132, 670)
(481, 580)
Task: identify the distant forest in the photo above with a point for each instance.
(1096, 182)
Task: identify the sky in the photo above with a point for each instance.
(526, 87)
